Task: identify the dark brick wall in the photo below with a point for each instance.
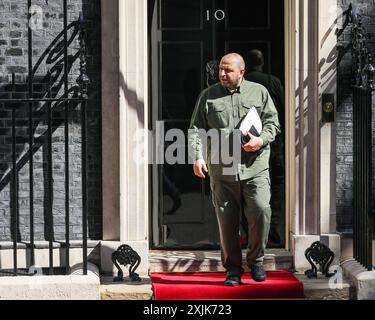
(47, 55)
(344, 163)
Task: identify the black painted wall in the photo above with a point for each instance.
(47, 55)
(344, 134)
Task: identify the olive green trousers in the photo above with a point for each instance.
(230, 199)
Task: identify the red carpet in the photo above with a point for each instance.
(209, 286)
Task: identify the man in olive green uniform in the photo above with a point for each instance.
(222, 107)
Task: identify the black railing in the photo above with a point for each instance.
(362, 85)
(362, 176)
(44, 105)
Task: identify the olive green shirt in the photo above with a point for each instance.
(218, 108)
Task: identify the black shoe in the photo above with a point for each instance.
(258, 272)
(232, 281)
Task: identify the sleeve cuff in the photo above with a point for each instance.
(264, 138)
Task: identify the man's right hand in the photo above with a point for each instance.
(199, 168)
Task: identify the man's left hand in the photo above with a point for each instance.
(254, 144)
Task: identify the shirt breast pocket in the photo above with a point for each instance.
(218, 115)
(244, 109)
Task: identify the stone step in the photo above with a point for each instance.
(125, 290)
(210, 261)
(322, 288)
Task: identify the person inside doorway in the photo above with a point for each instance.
(222, 107)
(255, 73)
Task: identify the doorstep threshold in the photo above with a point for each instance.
(210, 260)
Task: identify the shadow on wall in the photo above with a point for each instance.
(53, 58)
(333, 61)
(307, 103)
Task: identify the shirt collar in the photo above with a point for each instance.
(238, 90)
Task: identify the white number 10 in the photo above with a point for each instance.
(219, 15)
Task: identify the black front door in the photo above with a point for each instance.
(184, 36)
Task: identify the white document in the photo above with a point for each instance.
(251, 123)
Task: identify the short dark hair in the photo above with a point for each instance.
(255, 58)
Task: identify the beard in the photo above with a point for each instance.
(231, 84)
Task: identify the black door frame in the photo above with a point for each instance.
(155, 182)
